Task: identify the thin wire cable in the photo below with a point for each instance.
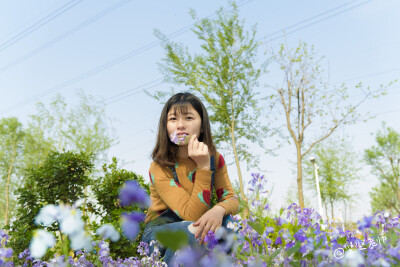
(29, 22)
(367, 76)
(39, 24)
(306, 20)
(100, 68)
(315, 22)
(64, 35)
(133, 91)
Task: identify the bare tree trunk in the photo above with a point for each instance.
(332, 210)
(8, 183)
(242, 195)
(326, 209)
(300, 176)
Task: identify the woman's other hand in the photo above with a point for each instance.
(210, 221)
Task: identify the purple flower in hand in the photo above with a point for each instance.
(132, 193)
(179, 139)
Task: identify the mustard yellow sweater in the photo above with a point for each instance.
(190, 198)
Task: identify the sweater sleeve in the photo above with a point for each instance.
(225, 194)
(189, 207)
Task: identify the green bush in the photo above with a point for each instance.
(62, 177)
(106, 190)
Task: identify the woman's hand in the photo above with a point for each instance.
(210, 221)
(198, 151)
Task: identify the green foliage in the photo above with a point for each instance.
(382, 198)
(172, 239)
(62, 177)
(384, 159)
(82, 128)
(106, 190)
(11, 150)
(337, 172)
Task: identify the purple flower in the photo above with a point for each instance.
(187, 257)
(289, 245)
(6, 252)
(364, 223)
(132, 193)
(130, 224)
(210, 240)
(279, 221)
(278, 240)
(300, 236)
(179, 139)
(143, 249)
(269, 230)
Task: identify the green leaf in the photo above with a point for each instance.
(342, 240)
(273, 255)
(294, 249)
(172, 239)
(258, 227)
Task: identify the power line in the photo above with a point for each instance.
(315, 22)
(101, 67)
(64, 35)
(133, 91)
(39, 24)
(306, 20)
(10, 33)
(367, 76)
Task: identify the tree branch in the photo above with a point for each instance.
(319, 140)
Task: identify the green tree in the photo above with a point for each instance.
(384, 159)
(11, 150)
(337, 171)
(82, 128)
(61, 178)
(313, 110)
(382, 198)
(224, 73)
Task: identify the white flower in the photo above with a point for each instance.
(47, 215)
(71, 222)
(237, 217)
(41, 241)
(107, 231)
(78, 203)
(81, 240)
(353, 258)
(323, 227)
(233, 225)
(386, 214)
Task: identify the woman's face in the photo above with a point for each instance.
(189, 123)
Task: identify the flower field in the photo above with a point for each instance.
(293, 237)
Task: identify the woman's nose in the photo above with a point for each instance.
(181, 123)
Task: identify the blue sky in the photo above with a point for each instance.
(359, 39)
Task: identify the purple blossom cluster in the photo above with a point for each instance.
(132, 193)
(294, 237)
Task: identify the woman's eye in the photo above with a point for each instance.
(189, 117)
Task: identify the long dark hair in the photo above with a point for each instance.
(165, 152)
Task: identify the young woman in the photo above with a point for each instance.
(185, 169)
